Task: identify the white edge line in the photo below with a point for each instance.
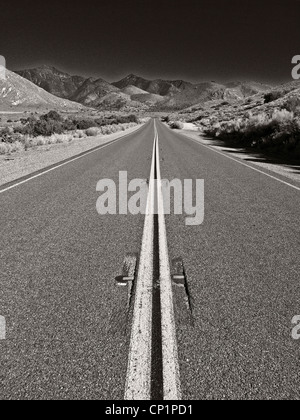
(138, 377)
(171, 372)
(238, 161)
(59, 165)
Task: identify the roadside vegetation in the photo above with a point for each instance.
(268, 122)
(176, 125)
(52, 128)
(276, 133)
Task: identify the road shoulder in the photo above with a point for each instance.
(22, 164)
(289, 171)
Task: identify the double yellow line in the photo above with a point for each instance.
(138, 379)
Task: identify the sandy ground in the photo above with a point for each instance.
(190, 127)
(24, 163)
(287, 170)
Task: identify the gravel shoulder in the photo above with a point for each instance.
(24, 163)
(288, 170)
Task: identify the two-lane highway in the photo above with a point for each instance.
(68, 334)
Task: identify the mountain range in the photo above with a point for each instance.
(134, 93)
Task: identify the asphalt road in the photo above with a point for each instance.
(66, 320)
(67, 326)
(242, 269)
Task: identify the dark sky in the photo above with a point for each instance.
(189, 39)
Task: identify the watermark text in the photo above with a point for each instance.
(296, 329)
(2, 68)
(296, 69)
(2, 328)
(179, 197)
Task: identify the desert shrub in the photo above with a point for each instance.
(69, 125)
(93, 131)
(79, 134)
(7, 148)
(283, 116)
(47, 127)
(61, 138)
(3, 148)
(52, 116)
(272, 96)
(293, 104)
(27, 127)
(115, 128)
(129, 119)
(104, 130)
(176, 125)
(40, 141)
(53, 123)
(118, 119)
(46, 140)
(83, 124)
(17, 146)
(8, 135)
(109, 129)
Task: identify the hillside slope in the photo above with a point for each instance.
(92, 91)
(133, 90)
(286, 96)
(156, 87)
(17, 92)
(118, 101)
(53, 81)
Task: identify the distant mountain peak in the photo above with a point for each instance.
(133, 76)
(156, 87)
(45, 68)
